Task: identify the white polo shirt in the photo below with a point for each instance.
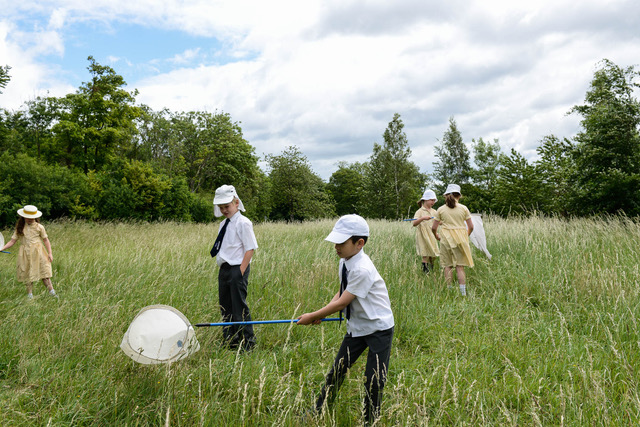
(371, 308)
(238, 239)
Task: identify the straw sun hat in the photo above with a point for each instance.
(29, 211)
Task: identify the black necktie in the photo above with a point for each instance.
(216, 246)
(343, 287)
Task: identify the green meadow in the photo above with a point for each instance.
(549, 334)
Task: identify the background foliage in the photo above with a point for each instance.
(97, 154)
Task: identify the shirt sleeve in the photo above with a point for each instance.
(437, 216)
(43, 232)
(248, 238)
(467, 213)
(15, 235)
(359, 282)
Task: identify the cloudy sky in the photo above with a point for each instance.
(328, 75)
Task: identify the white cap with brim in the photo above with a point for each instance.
(29, 211)
(428, 195)
(452, 188)
(224, 195)
(347, 226)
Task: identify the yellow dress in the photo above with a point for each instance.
(426, 243)
(33, 263)
(454, 240)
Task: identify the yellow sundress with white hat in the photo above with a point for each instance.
(454, 240)
(33, 262)
(426, 243)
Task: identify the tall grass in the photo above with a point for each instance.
(548, 335)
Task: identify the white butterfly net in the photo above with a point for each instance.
(159, 334)
(477, 237)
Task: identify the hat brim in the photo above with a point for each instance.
(38, 214)
(335, 237)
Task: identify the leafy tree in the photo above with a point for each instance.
(346, 186)
(39, 117)
(453, 165)
(97, 121)
(297, 193)
(209, 149)
(4, 76)
(556, 167)
(519, 186)
(393, 182)
(56, 190)
(480, 193)
(607, 153)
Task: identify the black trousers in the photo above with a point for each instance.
(379, 344)
(232, 296)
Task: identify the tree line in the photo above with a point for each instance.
(97, 154)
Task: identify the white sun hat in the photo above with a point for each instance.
(225, 194)
(347, 226)
(452, 188)
(428, 195)
(29, 211)
(159, 334)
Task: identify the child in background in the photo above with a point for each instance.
(364, 297)
(234, 248)
(426, 243)
(34, 262)
(454, 236)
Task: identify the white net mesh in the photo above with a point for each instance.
(478, 237)
(159, 334)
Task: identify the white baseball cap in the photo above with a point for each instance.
(428, 195)
(29, 211)
(347, 226)
(452, 188)
(225, 194)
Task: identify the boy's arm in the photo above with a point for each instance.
(338, 303)
(245, 261)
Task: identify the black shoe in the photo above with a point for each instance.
(425, 269)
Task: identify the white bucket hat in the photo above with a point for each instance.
(428, 195)
(452, 188)
(29, 211)
(347, 226)
(224, 195)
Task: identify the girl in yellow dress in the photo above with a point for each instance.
(34, 263)
(426, 243)
(454, 236)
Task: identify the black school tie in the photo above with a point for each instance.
(343, 287)
(216, 246)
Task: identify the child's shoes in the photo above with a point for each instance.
(53, 293)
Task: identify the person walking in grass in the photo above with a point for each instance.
(426, 243)
(34, 261)
(234, 247)
(364, 298)
(455, 251)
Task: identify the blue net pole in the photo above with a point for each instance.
(261, 322)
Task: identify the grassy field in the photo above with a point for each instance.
(548, 336)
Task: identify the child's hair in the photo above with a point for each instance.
(354, 239)
(451, 199)
(20, 225)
